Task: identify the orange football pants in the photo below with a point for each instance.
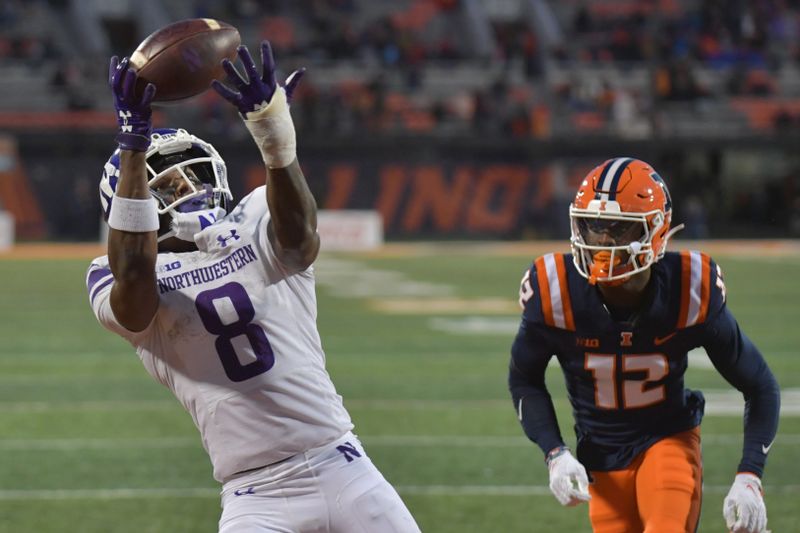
(659, 492)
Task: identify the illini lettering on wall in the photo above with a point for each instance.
(445, 201)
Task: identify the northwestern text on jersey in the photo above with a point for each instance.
(237, 259)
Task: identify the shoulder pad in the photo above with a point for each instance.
(702, 289)
(547, 298)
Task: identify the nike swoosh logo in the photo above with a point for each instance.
(658, 341)
(765, 449)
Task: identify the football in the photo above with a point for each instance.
(182, 59)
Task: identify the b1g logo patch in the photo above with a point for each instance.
(175, 265)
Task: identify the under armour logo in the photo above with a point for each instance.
(125, 115)
(249, 490)
(348, 450)
(259, 107)
(223, 241)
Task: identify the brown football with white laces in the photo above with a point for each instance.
(182, 59)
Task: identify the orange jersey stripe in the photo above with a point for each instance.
(566, 304)
(705, 288)
(544, 288)
(695, 288)
(686, 281)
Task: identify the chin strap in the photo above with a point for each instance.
(185, 226)
(672, 232)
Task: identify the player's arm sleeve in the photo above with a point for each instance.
(99, 280)
(738, 360)
(530, 354)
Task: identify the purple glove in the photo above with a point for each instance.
(254, 92)
(133, 113)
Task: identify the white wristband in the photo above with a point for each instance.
(133, 215)
(273, 130)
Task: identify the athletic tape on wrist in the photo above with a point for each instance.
(133, 215)
(554, 453)
(273, 130)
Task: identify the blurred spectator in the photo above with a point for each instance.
(81, 199)
(69, 78)
(735, 48)
(745, 81)
(629, 116)
(695, 218)
(676, 82)
(583, 23)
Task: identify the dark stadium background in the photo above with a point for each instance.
(511, 99)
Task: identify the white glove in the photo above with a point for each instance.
(568, 480)
(744, 508)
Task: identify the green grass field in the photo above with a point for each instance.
(417, 343)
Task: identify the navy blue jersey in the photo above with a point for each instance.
(625, 373)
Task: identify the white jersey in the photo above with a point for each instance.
(235, 339)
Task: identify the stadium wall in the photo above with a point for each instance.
(459, 188)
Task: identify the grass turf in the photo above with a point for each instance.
(88, 436)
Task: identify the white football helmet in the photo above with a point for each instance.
(196, 161)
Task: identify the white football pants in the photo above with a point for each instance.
(331, 489)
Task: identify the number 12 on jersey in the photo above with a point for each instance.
(633, 392)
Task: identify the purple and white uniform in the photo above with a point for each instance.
(235, 339)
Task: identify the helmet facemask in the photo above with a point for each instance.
(180, 162)
(610, 246)
(186, 176)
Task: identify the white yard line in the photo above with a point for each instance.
(411, 490)
(107, 494)
(478, 441)
(97, 444)
(347, 278)
(540, 490)
(477, 325)
(95, 405)
(443, 441)
(719, 402)
(80, 355)
(73, 378)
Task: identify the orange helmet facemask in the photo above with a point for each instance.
(620, 221)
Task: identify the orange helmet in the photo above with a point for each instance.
(620, 221)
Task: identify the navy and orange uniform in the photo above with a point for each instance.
(624, 371)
